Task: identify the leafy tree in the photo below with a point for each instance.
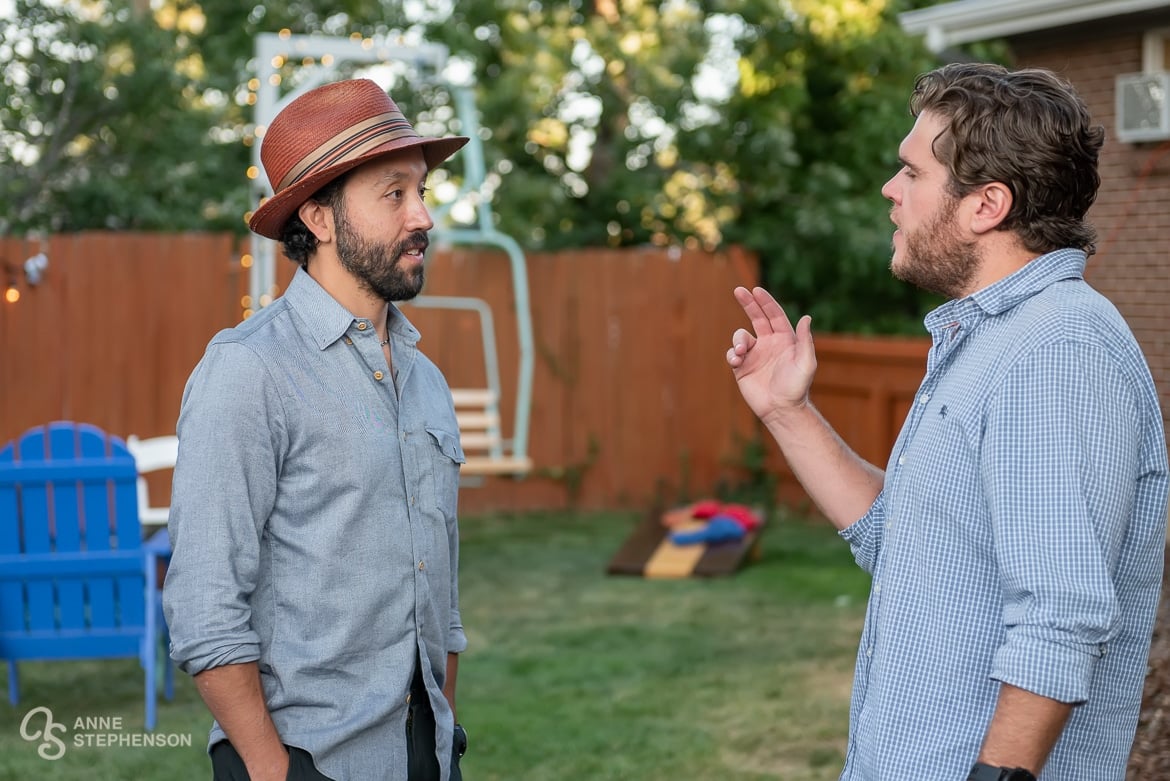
(766, 123)
(104, 124)
(786, 157)
(817, 218)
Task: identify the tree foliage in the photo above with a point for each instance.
(766, 123)
(105, 124)
(769, 125)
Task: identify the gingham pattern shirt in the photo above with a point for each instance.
(1019, 536)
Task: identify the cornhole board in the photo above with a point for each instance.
(649, 553)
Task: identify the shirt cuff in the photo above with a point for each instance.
(456, 640)
(196, 657)
(862, 534)
(1034, 660)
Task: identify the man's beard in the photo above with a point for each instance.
(936, 259)
(376, 265)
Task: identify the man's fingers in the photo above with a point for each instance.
(742, 295)
(804, 327)
(747, 299)
(805, 351)
(772, 310)
(741, 342)
(763, 310)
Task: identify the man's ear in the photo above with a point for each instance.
(318, 218)
(991, 204)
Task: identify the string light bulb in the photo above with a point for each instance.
(11, 291)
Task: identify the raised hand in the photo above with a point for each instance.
(774, 367)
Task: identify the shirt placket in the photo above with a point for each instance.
(947, 340)
(405, 354)
(392, 390)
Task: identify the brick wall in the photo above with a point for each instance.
(1132, 212)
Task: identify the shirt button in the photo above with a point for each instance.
(378, 375)
(408, 699)
(348, 341)
(421, 566)
(901, 460)
(877, 589)
(925, 398)
(869, 651)
(362, 326)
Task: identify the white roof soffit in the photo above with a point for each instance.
(965, 21)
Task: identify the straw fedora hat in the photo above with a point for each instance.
(326, 132)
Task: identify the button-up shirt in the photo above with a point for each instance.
(1019, 535)
(313, 521)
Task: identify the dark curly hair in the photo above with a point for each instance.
(299, 242)
(1027, 129)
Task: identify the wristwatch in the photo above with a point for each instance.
(982, 772)
(460, 740)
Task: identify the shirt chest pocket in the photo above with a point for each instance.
(439, 462)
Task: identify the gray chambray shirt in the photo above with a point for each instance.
(313, 520)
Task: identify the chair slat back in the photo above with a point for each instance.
(12, 606)
(64, 523)
(68, 489)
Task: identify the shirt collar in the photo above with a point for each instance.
(326, 320)
(999, 297)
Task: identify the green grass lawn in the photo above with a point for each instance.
(571, 675)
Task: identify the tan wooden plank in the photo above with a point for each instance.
(477, 421)
(485, 465)
(474, 441)
(675, 561)
(473, 397)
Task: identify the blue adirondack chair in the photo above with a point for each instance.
(76, 579)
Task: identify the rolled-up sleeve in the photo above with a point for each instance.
(1060, 473)
(864, 535)
(224, 486)
(456, 637)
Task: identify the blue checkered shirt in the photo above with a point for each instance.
(1019, 536)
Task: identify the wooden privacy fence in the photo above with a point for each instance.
(113, 329)
(864, 387)
(632, 399)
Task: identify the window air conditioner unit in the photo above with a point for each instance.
(1143, 106)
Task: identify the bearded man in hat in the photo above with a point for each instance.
(313, 590)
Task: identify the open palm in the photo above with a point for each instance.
(774, 367)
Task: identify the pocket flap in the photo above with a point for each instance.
(448, 443)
